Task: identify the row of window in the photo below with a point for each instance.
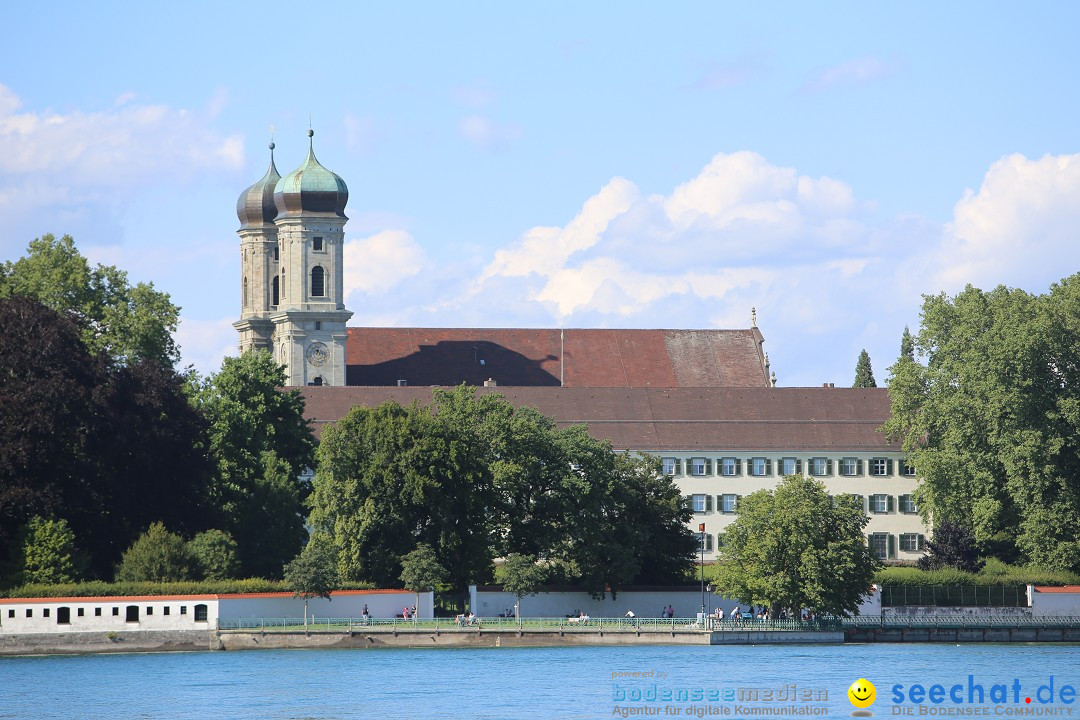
(763, 467)
(882, 545)
(879, 504)
(131, 613)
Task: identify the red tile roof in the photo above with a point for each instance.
(551, 357)
(674, 419)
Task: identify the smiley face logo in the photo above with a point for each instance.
(862, 693)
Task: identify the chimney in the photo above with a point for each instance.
(490, 383)
(402, 383)
(828, 385)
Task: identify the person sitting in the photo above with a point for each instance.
(629, 614)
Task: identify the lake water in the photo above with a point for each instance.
(799, 681)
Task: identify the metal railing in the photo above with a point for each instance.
(639, 625)
(1002, 595)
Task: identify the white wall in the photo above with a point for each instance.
(487, 602)
(342, 604)
(154, 613)
(1059, 602)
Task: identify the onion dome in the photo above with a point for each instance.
(311, 188)
(255, 207)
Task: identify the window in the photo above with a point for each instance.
(245, 292)
(706, 540)
(29, 612)
(63, 616)
(317, 382)
(200, 613)
(790, 466)
(880, 467)
(80, 612)
(729, 467)
(850, 467)
(276, 254)
(907, 505)
(131, 614)
(729, 502)
(316, 244)
(912, 542)
(820, 466)
(670, 466)
(149, 610)
(701, 503)
(318, 325)
(880, 503)
(760, 467)
(282, 283)
(183, 609)
(880, 546)
(316, 281)
(699, 466)
(46, 612)
(274, 287)
(906, 469)
(116, 611)
(97, 612)
(11, 613)
(165, 611)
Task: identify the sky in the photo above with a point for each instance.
(565, 164)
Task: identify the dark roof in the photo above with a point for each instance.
(673, 419)
(552, 357)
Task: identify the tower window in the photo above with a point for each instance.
(318, 325)
(316, 281)
(276, 256)
(245, 293)
(282, 283)
(316, 244)
(274, 286)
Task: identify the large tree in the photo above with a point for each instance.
(260, 445)
(127, 322)
(476, 478)
(990, 416)
(864, 374)
(794, 547)
(109, 448)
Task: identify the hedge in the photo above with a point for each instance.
(98, 588)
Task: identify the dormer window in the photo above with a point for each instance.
(316, 244)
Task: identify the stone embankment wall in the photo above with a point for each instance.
(76, 643)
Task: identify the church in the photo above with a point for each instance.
(704, 401)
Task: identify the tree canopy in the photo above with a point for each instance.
(794, 547)
(313, 572)
(128, 323)
(522, 576)
(157, 555)
(259, 446)
(864, 374)
(421, 571)
(990, 416)
(475, 478)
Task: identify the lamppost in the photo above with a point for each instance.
(701, 539)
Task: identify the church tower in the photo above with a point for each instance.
(298, 309)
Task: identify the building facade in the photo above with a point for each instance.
(704, 401)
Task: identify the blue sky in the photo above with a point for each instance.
(565, 164)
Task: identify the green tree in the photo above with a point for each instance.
(907, 345)
(992, 419)
(260, 445)
(49, 552)
(476, 478)
(792, 548)
(313, 573)
(953, 546)
(110, 448)
(522, 576)
(864, 374)
(421, 571)
(158, 556)
(214, 553)
(126, 322)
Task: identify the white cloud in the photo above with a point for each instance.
(1018, 229)
(859, 71)
(205, 343)
(484, 133)
(377, 263)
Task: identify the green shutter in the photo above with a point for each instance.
(888, 468)
(828, 467)
(768, 466)
(921, 545)
(708, 542)
(889, 506)
(892, 546)
(678, 466)
(798, 466)
(708, 466)
(708, 503)
(719, 503)
(858, 468)
(738, 466)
